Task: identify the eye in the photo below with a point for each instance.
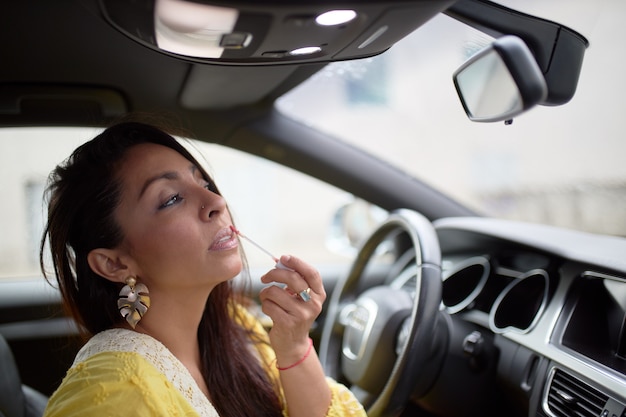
(211, 187)
(177, 198)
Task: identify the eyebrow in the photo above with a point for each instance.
(167, 175)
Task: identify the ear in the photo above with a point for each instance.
(108, 264)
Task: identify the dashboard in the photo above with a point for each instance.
(537, 314)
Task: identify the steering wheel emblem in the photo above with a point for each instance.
(358, 320)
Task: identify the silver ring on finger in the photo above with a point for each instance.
(305, 295)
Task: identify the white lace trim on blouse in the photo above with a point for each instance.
(123, 340)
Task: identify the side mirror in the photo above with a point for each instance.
(351, 224)
(500, 82)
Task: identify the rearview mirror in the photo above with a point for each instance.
(500, 82)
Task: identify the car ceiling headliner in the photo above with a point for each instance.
(64, 64)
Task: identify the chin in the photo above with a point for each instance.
(233, 266)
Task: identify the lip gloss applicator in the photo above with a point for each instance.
(279, 265)
(304, 295)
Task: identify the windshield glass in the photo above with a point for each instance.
(554, 165)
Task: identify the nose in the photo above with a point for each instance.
(212, 206)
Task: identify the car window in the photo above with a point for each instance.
(26, 158)
(267, 200)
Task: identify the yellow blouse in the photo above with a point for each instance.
(121, 372)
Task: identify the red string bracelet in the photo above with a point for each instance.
(306, 355)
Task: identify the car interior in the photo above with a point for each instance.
(434, 308)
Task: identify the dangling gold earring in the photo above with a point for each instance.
(134, 301)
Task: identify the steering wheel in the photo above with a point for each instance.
(385, 341)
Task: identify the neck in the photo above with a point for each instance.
(173, 319)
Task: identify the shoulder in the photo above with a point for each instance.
(116, 383)
(343, 403)
(118, 340)
(117, 349)
(122, 372)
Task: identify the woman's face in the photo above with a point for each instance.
(177, 232)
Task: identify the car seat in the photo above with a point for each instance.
(16, 400)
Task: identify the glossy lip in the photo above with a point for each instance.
(224, 239)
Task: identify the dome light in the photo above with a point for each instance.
(335, 17)
(307, 50)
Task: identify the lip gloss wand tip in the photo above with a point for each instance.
(279, 265)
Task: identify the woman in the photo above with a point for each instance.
(144, 250)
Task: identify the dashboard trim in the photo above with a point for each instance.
(502, 296)
(577, 253)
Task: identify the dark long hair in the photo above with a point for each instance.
(83, 194)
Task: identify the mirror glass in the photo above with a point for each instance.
(501, 81)
(488, 89)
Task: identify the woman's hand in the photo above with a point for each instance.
(292, 317)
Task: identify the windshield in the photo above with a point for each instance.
(554, 165)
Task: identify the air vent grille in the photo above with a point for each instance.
(569, 396)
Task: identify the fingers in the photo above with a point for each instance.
(297, 297)
(284, 307)
(290, 301)
(291, 317)
(305, 277)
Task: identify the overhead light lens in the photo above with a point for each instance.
(335, 17)
(307, 50)
(195, 29)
